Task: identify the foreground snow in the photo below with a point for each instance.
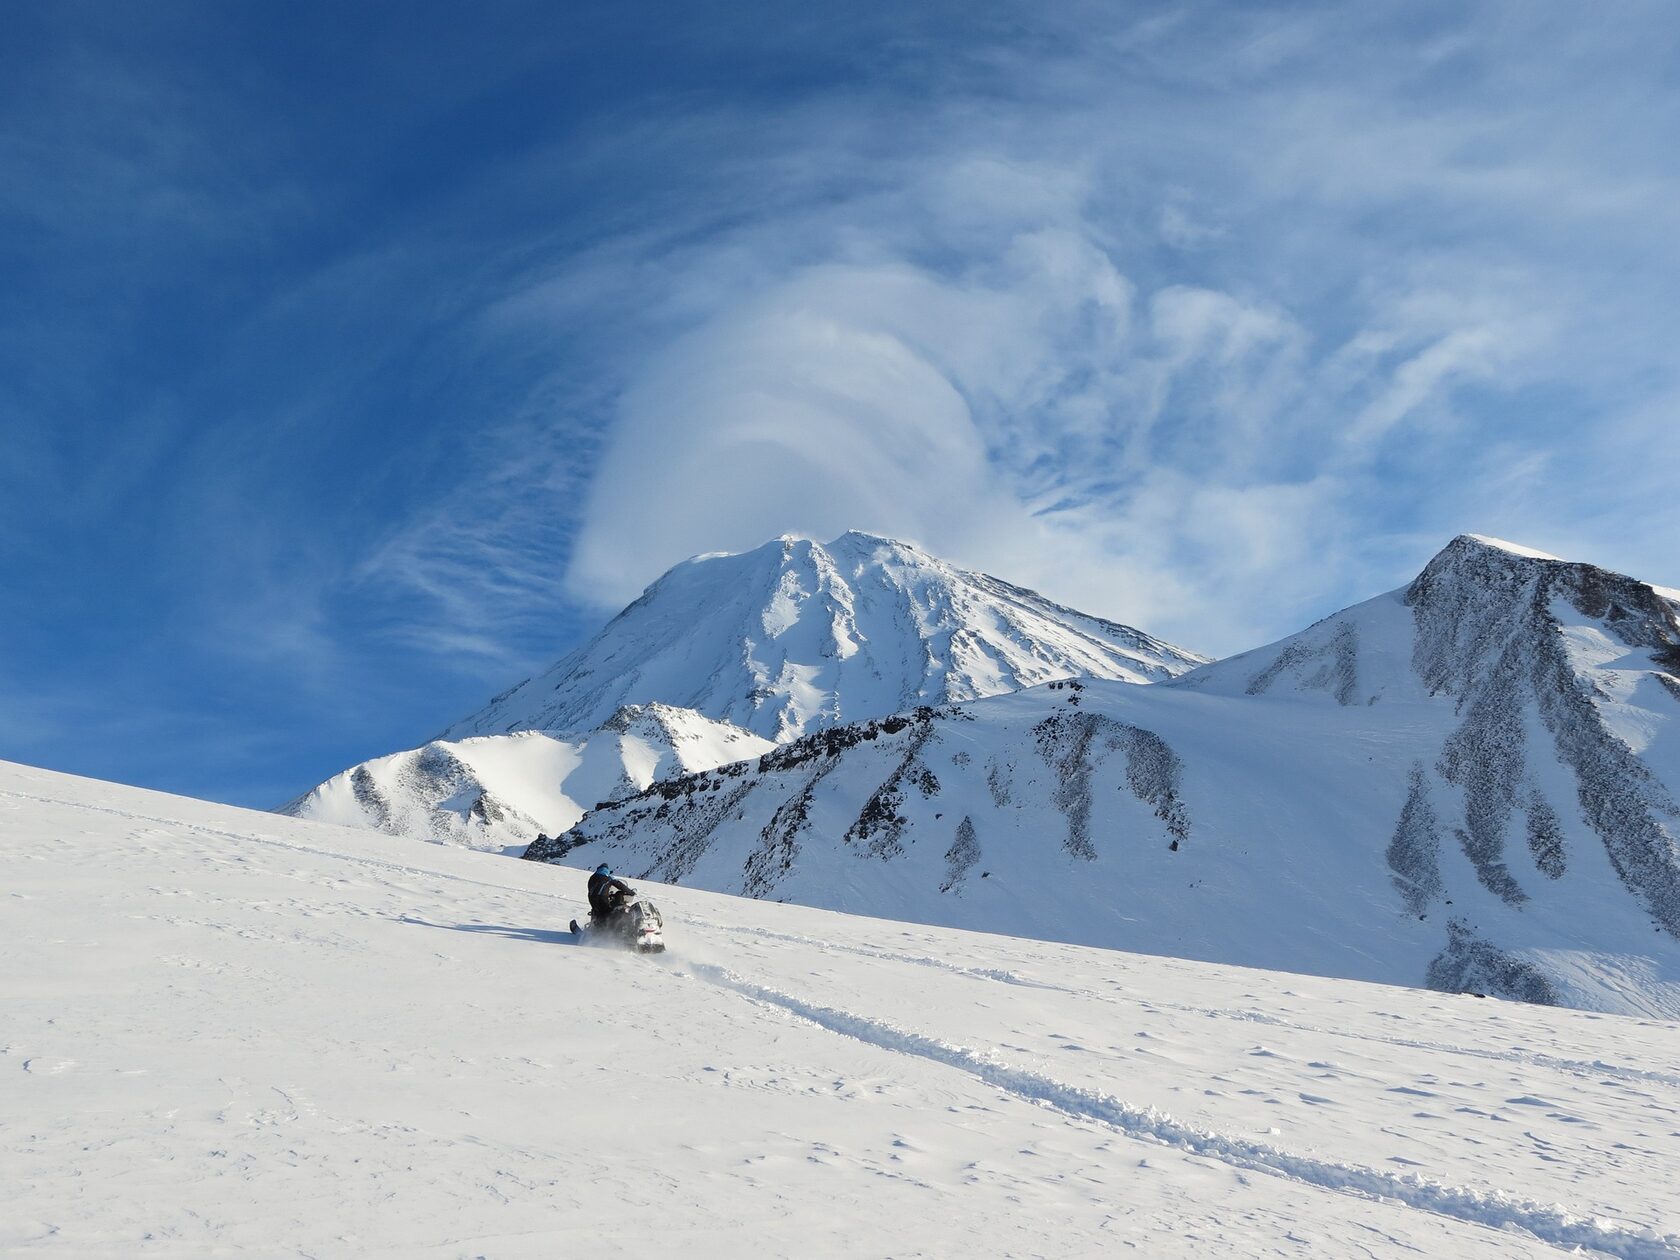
(233, 1032)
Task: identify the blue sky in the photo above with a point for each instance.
(357, 360)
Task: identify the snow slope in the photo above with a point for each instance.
(798, 634)
(234, 1033)
(502, 792)
(1469, 783)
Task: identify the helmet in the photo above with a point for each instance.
(603, 869)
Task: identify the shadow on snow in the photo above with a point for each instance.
(544, 935)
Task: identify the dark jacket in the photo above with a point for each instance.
(604, 894)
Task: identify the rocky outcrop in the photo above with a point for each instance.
(1490, 635)
(1469, 964)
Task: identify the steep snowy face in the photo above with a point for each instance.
(1594, 655)
(1547, 662)
(797, 635)
(503, 791)
(1468, 783)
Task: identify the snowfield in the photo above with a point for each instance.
(229, 1032)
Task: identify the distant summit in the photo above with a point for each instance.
(797, 635)
(719, 660)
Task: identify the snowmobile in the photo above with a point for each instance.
(633, 923)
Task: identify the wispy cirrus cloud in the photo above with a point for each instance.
(1208, 322)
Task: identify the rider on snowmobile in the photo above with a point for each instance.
(616, 913)
(606, 894)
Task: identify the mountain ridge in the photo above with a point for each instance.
(793, 636)
(503, 791)
(1467, 782)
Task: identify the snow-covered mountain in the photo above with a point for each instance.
(798, 635)
(719, 658)
(503, 791)
(234, 1034)
(1470, 782)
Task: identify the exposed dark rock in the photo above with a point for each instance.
(778, 845)
(1414, 854)
(836, 739)
(879, 825)
(1493, 642)
(1152, 772)
(1064, 741)
(551, 848)
(1470, 964)
(1636, 614)
(1338, 665)
(369, 798)
(1494, 875)
(961, 856)
(1487, 635)
(692, 830)
(1485, 757)
(673, 820)
(1545, 836)
(997, 783)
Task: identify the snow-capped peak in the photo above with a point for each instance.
(1500, 544)
(799, 634)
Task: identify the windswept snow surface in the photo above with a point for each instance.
(797, 634)
(501, 792)
(1470, 783)
(234, 1033)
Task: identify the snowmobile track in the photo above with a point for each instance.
(1593, 1069)
(995, 974)
(1551, 1225)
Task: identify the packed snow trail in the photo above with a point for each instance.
(232, 1033)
